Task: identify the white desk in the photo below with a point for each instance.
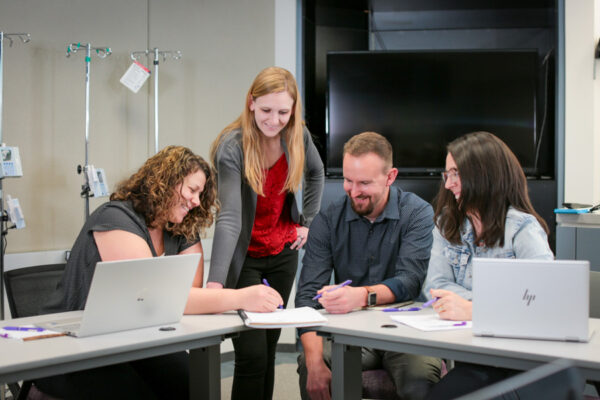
(201, 334)
(363, 328)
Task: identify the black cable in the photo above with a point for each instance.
(539, 143)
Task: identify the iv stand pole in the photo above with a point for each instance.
(1, 180)
(102, 52)
(176, 55)
(25, 37)
(86, 187)
(155, 100)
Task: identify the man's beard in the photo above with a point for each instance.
(366, 210)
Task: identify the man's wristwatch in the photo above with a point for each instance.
(371, 296)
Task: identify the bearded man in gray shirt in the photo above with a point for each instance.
(380, 238)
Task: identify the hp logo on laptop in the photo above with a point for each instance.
(528, 297)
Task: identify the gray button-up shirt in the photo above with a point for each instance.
(393, 250)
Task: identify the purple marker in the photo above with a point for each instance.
(430, 302)
(266, 283)
(349, 281)
(425, 305)
(23, 328)
(394, 309)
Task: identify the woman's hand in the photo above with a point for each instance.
(259, 298)
(214, 285)
(302, 235)
(451, 306)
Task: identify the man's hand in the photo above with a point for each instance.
(451, 306)
(342, 300)
(318, 381)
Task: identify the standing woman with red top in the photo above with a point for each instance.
(262, 160)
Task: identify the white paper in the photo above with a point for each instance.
(293, 317)
(135, 76)
(430, 322)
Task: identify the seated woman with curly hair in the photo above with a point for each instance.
(160, 210)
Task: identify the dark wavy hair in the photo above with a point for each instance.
(151, 191)
(491, 180)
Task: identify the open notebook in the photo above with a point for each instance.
(291, 318)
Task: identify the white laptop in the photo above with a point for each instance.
(131, 294)
(531, 299)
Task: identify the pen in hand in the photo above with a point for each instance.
(425, 305)
(333, 288)
(266, 283)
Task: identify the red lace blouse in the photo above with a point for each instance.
(273, 225)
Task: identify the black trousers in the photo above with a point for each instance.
(254, 373)
(163, 377)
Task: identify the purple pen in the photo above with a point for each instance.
(430, 302)
(425, 305)
(266, 283)
(394, 309)
(349, 281)
(23, 328)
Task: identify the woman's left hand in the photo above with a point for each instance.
(451, 306)
(302, 235)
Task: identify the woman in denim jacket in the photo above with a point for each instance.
(482, 210)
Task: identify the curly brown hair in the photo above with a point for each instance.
(151, 191)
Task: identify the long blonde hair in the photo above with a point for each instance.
(269, 80)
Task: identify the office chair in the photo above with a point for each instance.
(558, 380)
(27, 290)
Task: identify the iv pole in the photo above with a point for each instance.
(101, 52)
(175, 55)
(24, 37)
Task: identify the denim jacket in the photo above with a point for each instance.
(450, 265)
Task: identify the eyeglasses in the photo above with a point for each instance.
(452, 174)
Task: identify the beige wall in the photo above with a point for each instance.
(582, 102)
(224, 44)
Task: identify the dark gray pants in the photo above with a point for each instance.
(413, 375)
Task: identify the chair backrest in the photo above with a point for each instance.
(559, 379)
(28, 289)
(594, 294)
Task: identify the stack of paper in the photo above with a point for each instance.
(430, 322)
(294, 318)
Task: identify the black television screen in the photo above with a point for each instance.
(422, 100)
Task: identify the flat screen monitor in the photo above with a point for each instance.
(422, 100)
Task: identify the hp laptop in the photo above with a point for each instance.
(531, 299)
(131, 294)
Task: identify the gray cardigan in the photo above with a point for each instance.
(238, 204)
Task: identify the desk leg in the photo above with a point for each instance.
(346, 370)
(205, 373)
